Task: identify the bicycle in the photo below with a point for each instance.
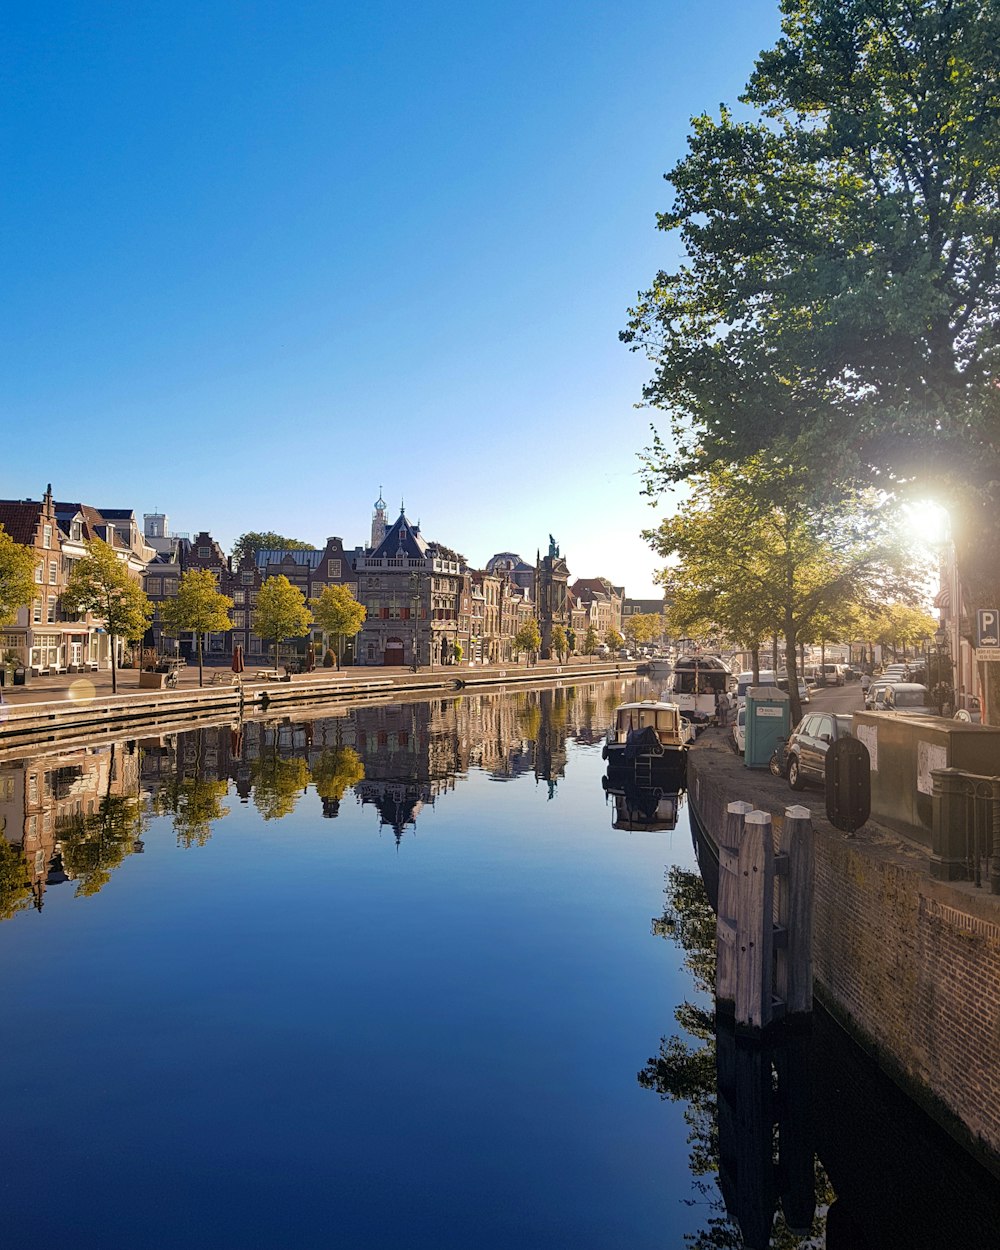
(170, 681)
(778, 763)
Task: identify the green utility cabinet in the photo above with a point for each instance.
(767, 723)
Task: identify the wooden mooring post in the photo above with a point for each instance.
(764, 950)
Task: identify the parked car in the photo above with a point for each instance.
(875, 696)
(910, 698)
(740, 730)
(803, 688)
(896, 672)
(805, 753)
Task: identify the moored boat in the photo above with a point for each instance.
(698, 683)
(651, 735)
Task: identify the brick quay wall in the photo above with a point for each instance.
(909, 965)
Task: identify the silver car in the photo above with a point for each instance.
(909, 698)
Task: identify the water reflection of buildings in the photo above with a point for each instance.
(398, 758)
(45, 797)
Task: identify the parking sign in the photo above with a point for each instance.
(988, 627)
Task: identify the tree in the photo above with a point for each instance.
(278, 783)
(250, 543)
(590, 641)
(643, 628)
(559, 642)
(528, 638)
(281, 612)
(337, 612)
(761, 561)
(101, 583)
(15, 880)
(336, 769)
(199, 608)
(614, 640)
(17, 577)
(839, 300)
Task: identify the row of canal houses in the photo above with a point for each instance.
(421, 597)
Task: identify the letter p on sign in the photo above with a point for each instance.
(987, 621)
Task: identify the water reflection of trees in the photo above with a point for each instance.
(686, 1070)
(80, 812)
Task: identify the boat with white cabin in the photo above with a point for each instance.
(653, 735)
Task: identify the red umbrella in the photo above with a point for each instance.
(238, 665)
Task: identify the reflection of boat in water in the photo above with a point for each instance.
(640, 807)
(652, 737)
(697, 683)
(659, 667)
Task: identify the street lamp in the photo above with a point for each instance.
(415, 600)
(941, 690)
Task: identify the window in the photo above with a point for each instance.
(170, 585)
(204, 553)
(247, 578)
(46, 536)
(239, 620)
(40, 573)
(154, 585)
(333, 568)
(239, 596)
(53, 571)
(51, 617)
(76, 531)
(36, 612)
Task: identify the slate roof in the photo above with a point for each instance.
(401, 539)
(20, 519)
(311, 557)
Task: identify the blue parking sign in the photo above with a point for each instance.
(987, 627)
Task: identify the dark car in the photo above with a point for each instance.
(805, 754)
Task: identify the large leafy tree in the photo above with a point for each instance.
(528, 638)
(199, 608)
(252, 541)
(17, 577)
(752, 555)
(337, 612)
(281, 612)
(643, 627)
(560, 643)
(839, 300)
(101, 583)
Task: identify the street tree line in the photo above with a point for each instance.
(836, 311)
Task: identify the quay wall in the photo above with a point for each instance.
(909, 965)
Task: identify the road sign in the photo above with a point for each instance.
(988, 627)
(988, 653)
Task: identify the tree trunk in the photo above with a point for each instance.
(276, 642)
(201, 659)
(114, 668)
(755, 663)
(791, 670)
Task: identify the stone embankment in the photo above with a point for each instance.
(82, 706)
(910, 965)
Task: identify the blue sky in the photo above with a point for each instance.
(261, 259)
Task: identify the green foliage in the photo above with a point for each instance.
(196, 804)
(250, 543)
(281, 612)
(528, 638)
(199, 608)
(337, 612)
(15, 880)
(101, 583)
(17, 577)
(643, 627)
(94, 845)
(614, 639)
(459, 651)
(560, 643)
(591, 641)
(328, 658)
(278, 783)
(336, 771)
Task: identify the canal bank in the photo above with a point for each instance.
(909, 965)
(74, 706)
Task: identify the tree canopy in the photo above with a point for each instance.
(337, 612)
(101, 583)
(528, 638)
(199, 608)
(281, 612)
(17, 577)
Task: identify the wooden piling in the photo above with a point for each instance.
(725, 954)
(794, 971)
(755, 923)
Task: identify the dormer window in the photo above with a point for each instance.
(76, 531)
(46, 536)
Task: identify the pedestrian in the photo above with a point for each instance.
(866, 681)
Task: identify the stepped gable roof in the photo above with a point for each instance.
(310, 557)
(403, 539)
(19, 517)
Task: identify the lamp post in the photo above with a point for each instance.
(941, 688)
(415, 603)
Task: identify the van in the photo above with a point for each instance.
(832, 674)
(745, 680)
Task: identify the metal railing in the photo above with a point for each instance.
(969, 816)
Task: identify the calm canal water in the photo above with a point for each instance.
(391, 977)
